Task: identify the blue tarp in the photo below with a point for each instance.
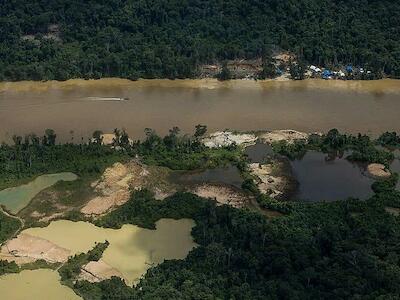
(326, 73)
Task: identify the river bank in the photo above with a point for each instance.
(244, 105)
(374, 86)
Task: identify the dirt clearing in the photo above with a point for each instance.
(26, 248)
(222, 194)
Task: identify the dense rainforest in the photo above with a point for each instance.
(59, 39)
(339, 250)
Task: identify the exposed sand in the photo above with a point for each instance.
(288, 135)
(222, 194)
(378, 171)
(372, 86)
(36, 214)
(113, 189)
(227, 138)
(52, 217)
(96, 271)
(115, 186)
(108, 138)
(393, 211)
(266, 180)
(26, 248)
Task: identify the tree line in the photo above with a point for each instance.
(339, 250)
(61, 39)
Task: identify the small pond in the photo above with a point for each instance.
(16, 198)
(223, 175)
(325, 178)
(259, 152)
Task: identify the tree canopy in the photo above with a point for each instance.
(62, 39)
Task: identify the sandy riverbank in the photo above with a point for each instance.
(372, 86)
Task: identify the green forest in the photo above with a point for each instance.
(328, 250)
(339, 250)
(59, 39)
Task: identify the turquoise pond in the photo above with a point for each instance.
(16, 198)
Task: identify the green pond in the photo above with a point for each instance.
(16, 198)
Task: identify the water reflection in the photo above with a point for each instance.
(259, 152)
(324, 177)
(229, 175)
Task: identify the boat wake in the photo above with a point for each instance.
(106, 99)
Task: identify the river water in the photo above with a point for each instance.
(76, 108)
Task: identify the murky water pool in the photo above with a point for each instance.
(16, 198)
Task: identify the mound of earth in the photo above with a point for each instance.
(108, 138)
(267, 180)
(222, 194)
(26, 248)
(113, 189)
(289, 136)
(226, 138)
(96, 271)
(118, 181)
(378, 171)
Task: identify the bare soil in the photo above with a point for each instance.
(26, 249)
(378, 171)
(288, 135)
(115, 186)
(222, 194)
(273, 178)
(227, 138)
(96, 271)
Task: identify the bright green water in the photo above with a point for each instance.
(16, 198)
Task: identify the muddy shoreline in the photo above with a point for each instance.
(243, 105)
(385, 85)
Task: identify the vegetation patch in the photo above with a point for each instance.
(70, 271)
(58, 201)
(7, 267)
(360, 147)
(299, 255)
(8, 226)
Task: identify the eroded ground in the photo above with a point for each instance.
(273, 178)
(26, 248)
(96, 196)
(223, 194)
(288, 135)
(118, 181)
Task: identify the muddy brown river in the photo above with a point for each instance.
(76, 108)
